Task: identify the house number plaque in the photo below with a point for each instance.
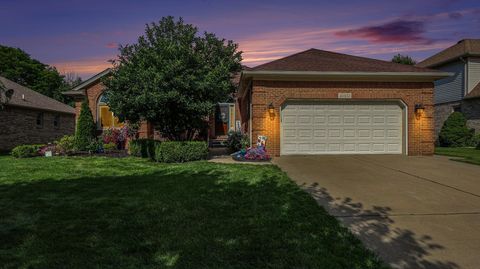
(344, 95)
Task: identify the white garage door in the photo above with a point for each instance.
(341, 128)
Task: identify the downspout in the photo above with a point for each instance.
(250, 112)
(465, 76)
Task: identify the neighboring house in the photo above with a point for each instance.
(460, 92)
(222, 120)
(32, 118)
(320, 102)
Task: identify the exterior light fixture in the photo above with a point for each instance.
(271, 110)
(419, 110)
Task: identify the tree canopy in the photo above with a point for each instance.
(5, 95)
(16, 65)
(173, 77)
(403, 59)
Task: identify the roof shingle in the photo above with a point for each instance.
(327, 61)
(465, 47)
(25, 97)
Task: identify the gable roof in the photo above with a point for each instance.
(327, 61)
(78, 90)
(318, 65)
(25, 97)
(463, 48)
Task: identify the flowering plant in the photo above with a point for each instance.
(111, 135)
(43, 149)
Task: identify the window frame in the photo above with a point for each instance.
(40, 119)
(101, 101)
(56, 121)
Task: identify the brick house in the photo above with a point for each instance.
(32, 118)
(222, 120)
(320, 102)
(461, 92)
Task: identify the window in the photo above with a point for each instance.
(40, 120)
(56, 121)
(105, 118)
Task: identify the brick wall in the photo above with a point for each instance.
(93, 93)
(18, 126)
(420, 131)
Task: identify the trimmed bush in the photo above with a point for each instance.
(144, 148)
(85, 132)
(109, 146)
(454, 132)
(66, 145)
(26, 151)
(179, 152)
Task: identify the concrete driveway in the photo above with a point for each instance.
(415, 212)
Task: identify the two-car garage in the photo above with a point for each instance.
(321, 102)
(342, 127)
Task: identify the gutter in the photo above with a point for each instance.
(434, 65)
(41, 109)
(346, 76)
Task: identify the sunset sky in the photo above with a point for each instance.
(80, 36)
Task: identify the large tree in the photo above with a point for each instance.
(18, 66)
(403, 59)
(5, 95)
(173, 77)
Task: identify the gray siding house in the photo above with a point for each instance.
(460, 92)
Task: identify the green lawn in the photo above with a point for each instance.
(468, 155)
(132, 213)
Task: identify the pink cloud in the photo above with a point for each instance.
(112, 45)
(395, 31)
(84, 67)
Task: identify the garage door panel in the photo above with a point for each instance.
(348, 128)
(289, 119)
(349, 119)
(305, 134)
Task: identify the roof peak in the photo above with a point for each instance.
(26, 97)
(329, 61)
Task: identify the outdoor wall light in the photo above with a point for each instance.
(271, 110)
(419, 110)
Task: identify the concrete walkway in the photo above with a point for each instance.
(415, 212)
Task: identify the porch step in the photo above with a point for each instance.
(218, 142)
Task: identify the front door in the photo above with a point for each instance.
(224, 118)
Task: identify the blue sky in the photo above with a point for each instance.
(80, 36)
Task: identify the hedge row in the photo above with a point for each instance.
(26, 151)
(169, 152)
(144, 148)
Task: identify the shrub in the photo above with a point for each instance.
(109, 146)
(144, 148)
(475, 142)
(26, 151)
(237, 141)
(94, 146)
(43, 150)
(85, 132)
(454, 132)
(66, 145)
(110, 135)
(179, 152)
